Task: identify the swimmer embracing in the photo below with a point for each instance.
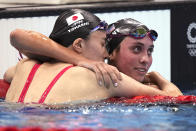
(79, 83)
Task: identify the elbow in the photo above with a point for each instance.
(14, 35)
(6, 78)
(9, 74)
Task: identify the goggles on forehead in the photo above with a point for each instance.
(102, 26)
(138, 33)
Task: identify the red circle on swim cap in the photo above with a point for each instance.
(74, 18)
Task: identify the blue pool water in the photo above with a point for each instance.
(147, 117)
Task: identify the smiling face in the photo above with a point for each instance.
(134, 57)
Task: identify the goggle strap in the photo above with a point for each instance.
(102, 25)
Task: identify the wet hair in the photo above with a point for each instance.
(73, 24)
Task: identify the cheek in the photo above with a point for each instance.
(99, 50)
(150, 62)
(125, 61)
(92, 48)
(127, 57)
(96, 52)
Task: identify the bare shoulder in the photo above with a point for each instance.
(25, 62)
(81, 75)
(81, 69)
(82, 72)
(12, 71)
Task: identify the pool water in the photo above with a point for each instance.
(99, 115)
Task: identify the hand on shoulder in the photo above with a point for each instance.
(104, 73)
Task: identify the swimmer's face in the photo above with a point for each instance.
(134, 57)
(94, 48)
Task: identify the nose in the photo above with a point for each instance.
(144, 59)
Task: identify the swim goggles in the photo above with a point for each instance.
(137, 33)
(102, 26)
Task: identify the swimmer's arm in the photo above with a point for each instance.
(127, 87)
(34, 44)
(9, 74)
(130, 87)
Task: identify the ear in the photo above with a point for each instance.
(78, 45)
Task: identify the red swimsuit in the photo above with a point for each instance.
(46, 92)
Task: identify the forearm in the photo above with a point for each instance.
(33, 43)
(130, 87)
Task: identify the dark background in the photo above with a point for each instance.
(183, 66)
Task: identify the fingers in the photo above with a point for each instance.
(117, 73)
(151, 77)
(147, 78)
(99, 76)
(92, 66)
(105, 74)
(109, 73)
(114, 74)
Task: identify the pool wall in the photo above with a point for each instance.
(174, 55)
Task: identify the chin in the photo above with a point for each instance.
(140, 79)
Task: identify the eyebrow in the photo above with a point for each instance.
(140, 43)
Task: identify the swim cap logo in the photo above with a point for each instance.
(191, 35)
(74, 18)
